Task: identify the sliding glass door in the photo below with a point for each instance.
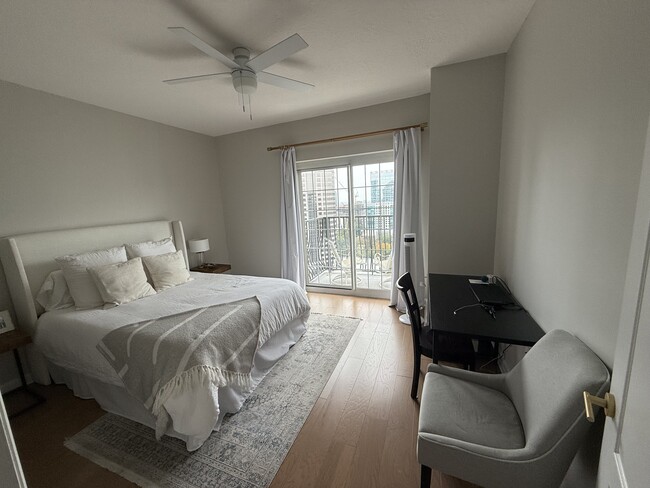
(347, 209)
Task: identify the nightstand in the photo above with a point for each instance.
(11, 341)
(212, 268)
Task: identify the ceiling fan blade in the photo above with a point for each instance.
(176, 81)
(277, 53)
(283, 82)
(204, 47)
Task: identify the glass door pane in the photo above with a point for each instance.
(326, 220)
(373, 190)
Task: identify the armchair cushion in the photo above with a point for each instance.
(483, 415)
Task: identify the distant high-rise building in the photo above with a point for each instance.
(382, 192)
(319, 190)
(382, 186)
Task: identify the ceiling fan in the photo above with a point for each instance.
(246, 72)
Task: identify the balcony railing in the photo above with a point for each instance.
(329, 256)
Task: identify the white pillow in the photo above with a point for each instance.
(122, 282)
(167, 270)
(81, 284)
(150, 248)
(54, 293)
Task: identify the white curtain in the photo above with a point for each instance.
(406, 150)
(290, 235)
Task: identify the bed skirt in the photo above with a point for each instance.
(115, 399)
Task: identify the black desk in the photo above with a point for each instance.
(449, 292)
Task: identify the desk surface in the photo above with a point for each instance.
(449, 292)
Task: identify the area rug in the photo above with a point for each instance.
(251, 445)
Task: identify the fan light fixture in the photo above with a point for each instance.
(245, 83)
(245, 72)
(244, 80)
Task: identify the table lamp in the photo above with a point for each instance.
(199, 246)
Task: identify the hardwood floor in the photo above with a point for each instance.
(360, 433)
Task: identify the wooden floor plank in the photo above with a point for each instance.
(389, 318)
(368, 454)
(336, 466)
(344, 357)
(396, 467)
(405, 353)
(349, 427)
(384, 382)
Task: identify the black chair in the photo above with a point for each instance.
(453, 349)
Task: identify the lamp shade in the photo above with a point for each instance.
(199, 245)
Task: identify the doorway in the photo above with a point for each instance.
(348, 217)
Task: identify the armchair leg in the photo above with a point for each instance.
(425, 476)
(416, 376)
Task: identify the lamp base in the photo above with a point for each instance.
(405, 319)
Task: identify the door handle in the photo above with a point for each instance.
(608, 403)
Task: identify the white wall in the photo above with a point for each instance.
(577, 98)
(67, 164)
(250, 174)
(575, 117)
(465, 125)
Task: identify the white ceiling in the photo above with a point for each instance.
(115, 53)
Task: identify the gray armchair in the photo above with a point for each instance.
(520, 428)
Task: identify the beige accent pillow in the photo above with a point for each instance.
(150, 248)
(122, 282)
(82, 286)
(167, 270)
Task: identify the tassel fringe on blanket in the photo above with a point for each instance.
(196, 377)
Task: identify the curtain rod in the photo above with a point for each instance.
(422, 126)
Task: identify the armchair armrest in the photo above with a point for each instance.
(494, 381)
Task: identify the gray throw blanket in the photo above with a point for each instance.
(161, 358)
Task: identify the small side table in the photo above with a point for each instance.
(11, 341)
(212, 268)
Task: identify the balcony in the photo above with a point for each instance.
(328, 256)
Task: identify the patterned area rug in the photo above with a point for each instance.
(251, 444)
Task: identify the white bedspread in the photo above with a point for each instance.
(69, 337)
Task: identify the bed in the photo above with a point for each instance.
(65, 348)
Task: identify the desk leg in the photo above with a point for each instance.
(485, 348)
(435, 346)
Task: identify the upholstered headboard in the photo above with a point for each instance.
(27, 260)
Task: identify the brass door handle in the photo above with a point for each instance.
(608, 403)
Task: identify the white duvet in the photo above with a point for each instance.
(69, 337)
